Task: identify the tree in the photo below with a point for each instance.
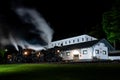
(111, 24)
(2, 54)
(97, 31)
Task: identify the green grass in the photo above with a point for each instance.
(96, 71)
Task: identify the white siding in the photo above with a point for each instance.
(114, 57)
(65, 56)
(79, 52)
(100, 47)
(88, 55)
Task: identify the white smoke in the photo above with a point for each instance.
(29, 16)
(38, 21)
(13, 41)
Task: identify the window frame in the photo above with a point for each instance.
(85, 52)
(97, 51)
(67, 53)
(105, 52)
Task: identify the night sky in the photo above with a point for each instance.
(73, 17)
(67, 18)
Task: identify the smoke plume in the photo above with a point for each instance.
(35, 35)
(32, 16)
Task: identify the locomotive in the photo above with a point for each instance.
(32, 56)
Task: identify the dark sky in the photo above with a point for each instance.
(72, 17)
(66, 17)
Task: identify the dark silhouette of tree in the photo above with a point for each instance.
(111, 23)
(2, 54)
(97, 31)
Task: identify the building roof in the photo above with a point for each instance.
(86, 45)
(79, 45)
(72, 40)
(107, 43)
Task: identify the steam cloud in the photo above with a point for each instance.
(38, 33)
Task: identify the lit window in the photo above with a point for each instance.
(104, 52)
(75, 52)
(97, 51)
(61, 55)
(67, 53)
(84, 51)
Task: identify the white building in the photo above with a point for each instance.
(85, 51)
(82, 47)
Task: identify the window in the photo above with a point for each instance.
(68, 53)
(104, 52)
(76, 55)
(82, 39)
(61, 44)
(69, 41)
(52, 45)
(86, 39)
(78, 40)
(97, 51)
(98, 44)
(65, 42)
(58, 44)
(73, 41)
(91, 39)
(61, 55)
(84, 51)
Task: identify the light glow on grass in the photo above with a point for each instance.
(17, 68)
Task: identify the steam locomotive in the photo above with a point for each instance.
(32, 56)
(47, 55)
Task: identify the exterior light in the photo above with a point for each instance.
(58, 51)
(6, 50)
(38, 54)
(9, 56)
(25, 53)
(75, 52)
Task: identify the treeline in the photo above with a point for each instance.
(109, 27)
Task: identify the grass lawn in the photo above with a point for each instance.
(97, 71)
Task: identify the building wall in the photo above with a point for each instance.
(100, 51)
(73, 40)
(85, 53)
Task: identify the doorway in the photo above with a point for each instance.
(76, 57)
